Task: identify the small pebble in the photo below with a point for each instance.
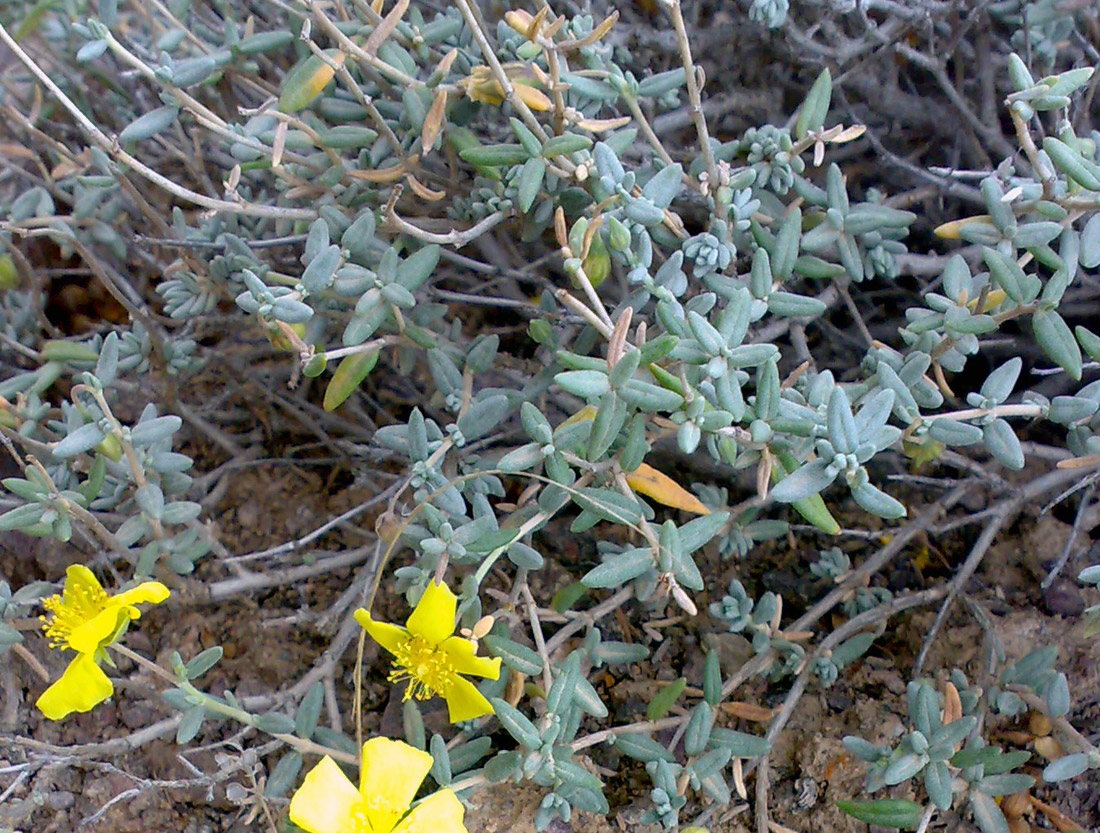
(1063, 598)
(60, 800)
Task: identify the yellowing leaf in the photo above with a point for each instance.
(352, 371)
(585, 414)
(519, 20)
(306, 81)
(950, 231)
(993, 299)
(483, 87)
(647, 481)
(535, 99)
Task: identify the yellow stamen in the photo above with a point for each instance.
(427, 669)
(79, 604)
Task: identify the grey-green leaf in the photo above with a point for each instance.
(1057, 341)
(987, 814)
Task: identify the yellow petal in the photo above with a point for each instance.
(647, 481)
(434, 615)
(80, 580)
(148, 592)
(390, 637)
(390, 775)
(102, 629)
(464, 659)
(440, 812)
(81, 688)
(327, 802)
(465, 702)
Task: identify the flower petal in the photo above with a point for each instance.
(327, 802)
(390, 637)
(79, 579)
(389, 776)
(434, 615)
(81, 688)
(148, 592)
(464, 659)
(102, 629)
(465, 702)
(440, 812)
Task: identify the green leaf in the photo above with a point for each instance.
(9, 636)
(987, 814)
(1090, 342)
(813, 508)
(698, 729)
(560, 696)
(84, 438)
(853, 649)
(516, 656)
(1003, 444)
(275, 723)
(264, 42)
(503, 766)
(190, 724)
(642, 748)
(896, 813)
(568, 596)
(1069, 161)
(309, 711)
(494, 155)
(904, 768)
(418, 267)
(149, 125)
(284, 774)
(526, 138)
(586, 384)
(586, 697)
(1057, 341)
(565, 144)
(620, 653)
(665, 185)
(1069, 766)
(1006, 784)
(937, 783)
(529, 182)
(619, 569)
(816, 105)
(441, 761)
(665, 698)
(1006, 273)
(203, 662)
(1058, 701)
(661, 84)
(807, 481)
(609, 505)
(484, 415)
(413, 724)
(465, 755)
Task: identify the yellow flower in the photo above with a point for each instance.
(390, 775)
(428, 655)
(86, 620)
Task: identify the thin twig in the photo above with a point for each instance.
(105, 144)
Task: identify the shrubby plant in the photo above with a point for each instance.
(375, 142)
